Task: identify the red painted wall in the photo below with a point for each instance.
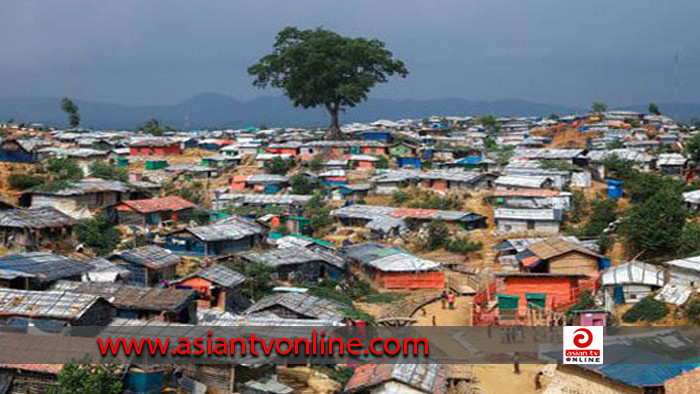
(558, 289)
(173, 149)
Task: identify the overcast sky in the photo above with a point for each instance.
(164, 51)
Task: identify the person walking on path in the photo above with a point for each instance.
(451, 300)
(443, 299)
(538, 381)
(516, 363)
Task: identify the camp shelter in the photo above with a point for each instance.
(155, 211)
(631, 282)
(37, 270)
(398, 378)
(149, 265)
(78, 199)
(538, 290)
(133, 302)
(219, 287)
(557, 256)
(34, 228)
(299, 306)
(229, 235)
(627, 370)
(18, 151)
(155, 147)
(23, 307)
(393, 268)
(538, 221)
(301, 264)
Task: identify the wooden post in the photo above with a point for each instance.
(232, 375)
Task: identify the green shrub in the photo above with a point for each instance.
(438, 234)
(646, 310)
(462, 246)
(98, 234)
(586, 301)
(383, 162)
(400, 197)
(64, 169)
(384, 298)
(692, 310)
(24, 181)
(437, 202)
(258, 283)
(103, 170)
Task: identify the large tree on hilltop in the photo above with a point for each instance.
(319, 67)
(71, 110)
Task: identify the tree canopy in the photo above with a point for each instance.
(279, 166)
(598, 107)
(692, 147)
(654, 109)
(103, 170)
(98, 234)
(88, 379)
(319, 67)
(64, 169)
(655, 226)
(71, 109)
(154, 127)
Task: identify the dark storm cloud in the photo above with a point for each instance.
(163, 51)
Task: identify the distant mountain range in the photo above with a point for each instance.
(210, 110)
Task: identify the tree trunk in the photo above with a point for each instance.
(334, 133)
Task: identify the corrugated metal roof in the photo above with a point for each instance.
(370, 212)
(520, 244)
(267, 178)
(530, 193)
(35, 218)
(362, 211)
(291, 255)
(386, 224)
(265, 199)
(347, 143)
(333, 173)
(397, 176)
(151, 256)
(87, 185)
(303, 304)
(426, 378)
(217, 274)
(221, 232)
(671, 159)
(453, 175)
(45, 304)
(44, 266)
(598, 156)
(556, 154)
(131, 297)
(152, 142)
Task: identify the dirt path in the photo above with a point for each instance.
(500, 379)
(460, 316)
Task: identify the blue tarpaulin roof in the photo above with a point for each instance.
(650, 369)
